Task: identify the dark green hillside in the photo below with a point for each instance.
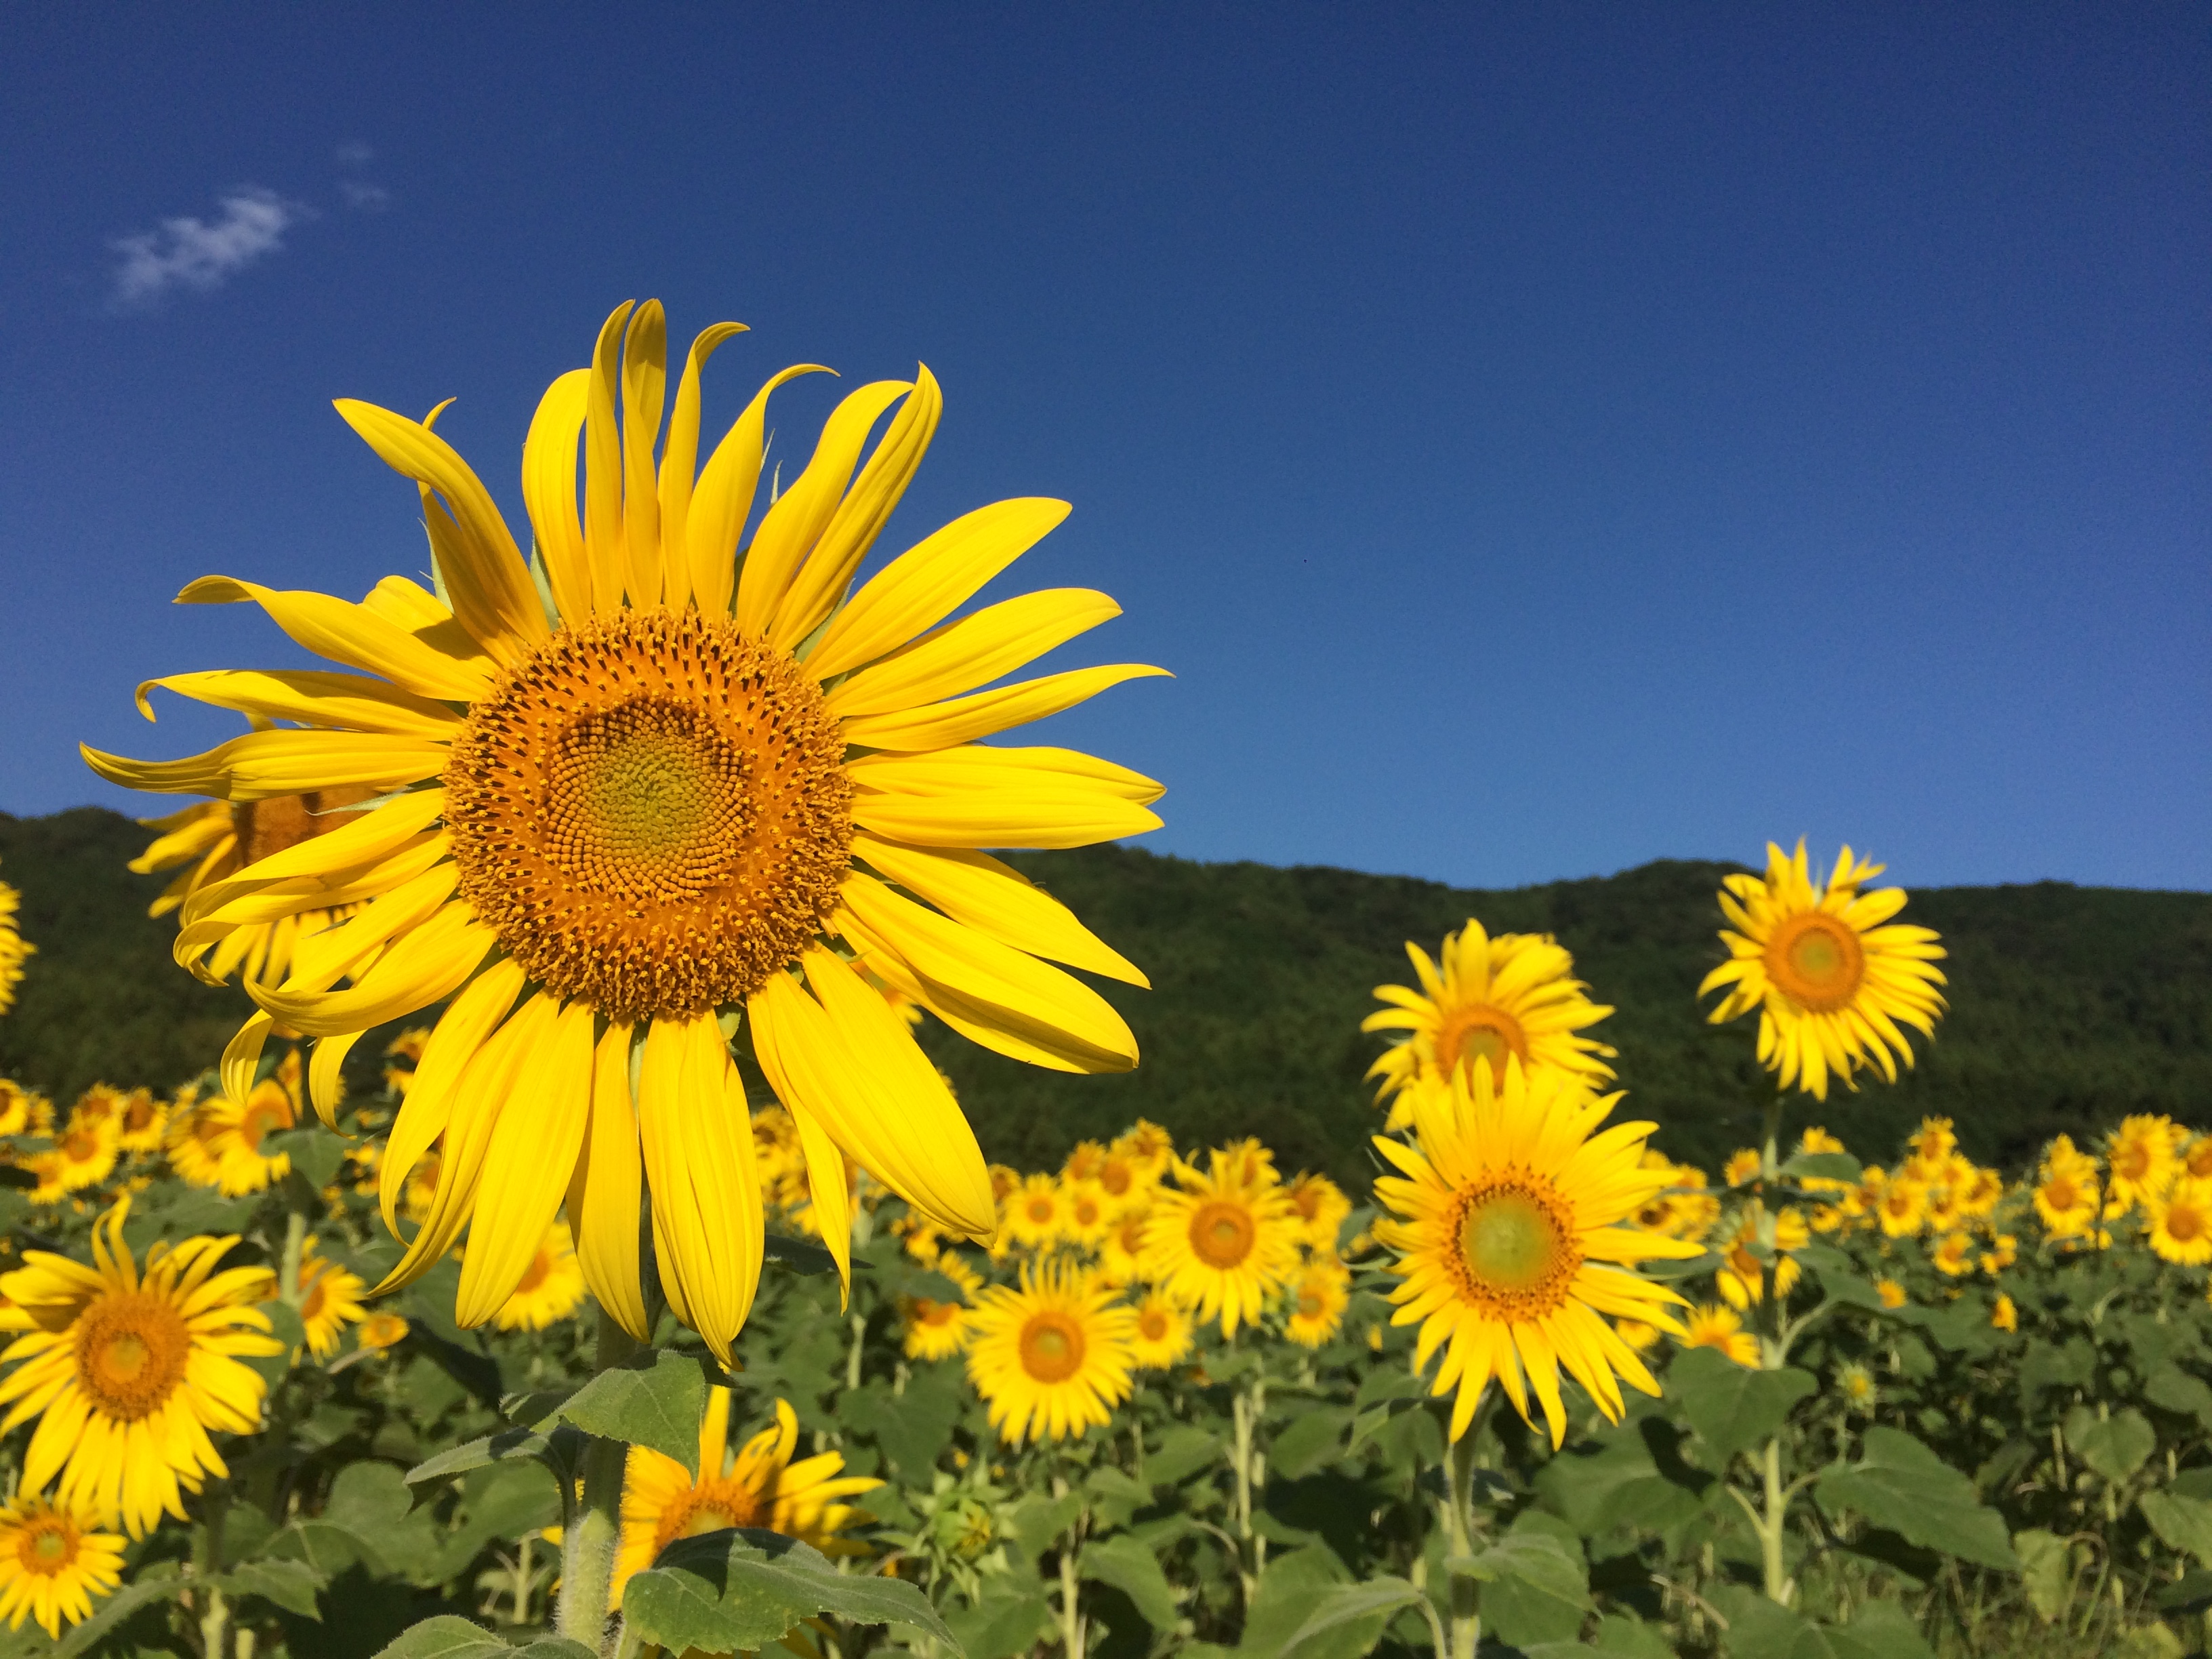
(2071, 1005)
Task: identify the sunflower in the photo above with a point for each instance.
(1051, 1359)
(1161, 1336)
(2196, 1157)
(2066, 1196)
(1856, 1384)
(1638, 1335)
(1147, 1145)
(1122, 1252)
(683, 783)
(140, 1122)
(1318, 1295)
(405, 1054)
(1742, 1278)
(1892, 1293)
(1517, 1242)
(15, 1107)
(127, 1374)
(1742, 1167)
(1222, 1243)
(15, 949)
(1981, 1192)
(213, 841)
(2140, 1161)
(329, 1300)
(54, 1560)
(551, 1287)
(2004, 1253)
(1124, 1178)
(1711, 1326)
(1084, 1161)
(757, 1487)
(1954, 1256)
(2180, 1222)
(933, 1329)
(1902, 1206)
(1321, 1208)
(1830, 980)
(84, 1153)
(2004, 1316)
(189, 1140)
(236, 1128)
(382, 1331)
(1034, 1212)
(1514, 995)
(1087, 1213)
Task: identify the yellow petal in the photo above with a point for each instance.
(977, 768)
(698, 1149)
(644, 384)
(1010, 816)
(678, 460)
(326, 1075)
(281, 763)
(977, 890)
(528, 1163)
(993, 984)
(242, 1056)
(964, 720)
(829, 1184)
(548, 490)
(821, 582)
(793, 525)
(723, 500)
(461, 1030)
(432, 962)
(603, 465)
(357, 636)
(279, 899)
(972, 651)
(350, 701)
(492, 594)
(931, 580)
(604, 1192)
(362, 839)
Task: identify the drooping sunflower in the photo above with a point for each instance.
(1315, 1301)
(54, 1558)
(757, 1487)
(2003, 1315)
(2067, 1198)
(329, 1300)
(2179, 1223)
(1051, 1359)
(1709, 1325)
(15, 949)
(1741, 1278)
(676, 779)
(127, 1373)
(1954, 1255)
(1517, 1240)
(1222, 1243)
(1487, 998)
(1830, 974)
(1892, 1293)
(551, 1287)
(1161, 1335)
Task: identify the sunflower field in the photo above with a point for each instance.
(649, 1293)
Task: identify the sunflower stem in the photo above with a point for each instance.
(1466, 1591)
(295, 1248)
(587, 1547)
(1770, 1530)
(1071, 1578)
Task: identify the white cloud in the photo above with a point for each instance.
(192, 253)
(368, 198)
(355, 154)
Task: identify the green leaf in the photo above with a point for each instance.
(2046, 1572)
(1037, 1521)
(448, 1637)
(2115, 1446)
(1883, 1630)
(913, 1429)
(1537, 1586)
(1314, 1440)
(1901, 1485)
(801, 1255)
(292, 1585)
(2170, 1389)
(1129, 1567)
(731, 1590)
(1113, 1497)
(285, 1325)
(1358, 1611)
(656, 1400)
(1630, 1476)
(1005, 1623)
(1182, 1452)
(1823, 1166)
(2183, 1524)
(315, 1152)
(1731, 1407)
(558, 1451)
(1631, 1639)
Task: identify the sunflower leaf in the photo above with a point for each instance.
(1368, 1606)
(446, 1637)
(111, 1613)
(316, 1152)
(801, 1255)
(1126, 1564)
(743, 1588)
(1901, 1485)
(558, 1450)
(1824, 1166)
(654, 1400)
(291, 1585)
(1729, 1405)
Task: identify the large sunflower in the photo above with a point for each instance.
(1224, 1241)
(660, 781)
(1516, 1239)
(15, 949)
(54, 1560)
(757, 1487)
(1051, 1360)
(1514, 996)
(1830, 980)
(127, 1373)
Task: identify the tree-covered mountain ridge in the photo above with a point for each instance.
(2070, 1006)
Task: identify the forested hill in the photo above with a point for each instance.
(2071, 1005)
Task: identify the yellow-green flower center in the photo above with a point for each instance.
(1816, 961)
(48, 1547)
(1517, 1255)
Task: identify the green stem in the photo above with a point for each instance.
(295, 1244)
(1459, 1525)
(587, 1547)
(1242, 1414)
(1071, 1582)
(1772, 1526)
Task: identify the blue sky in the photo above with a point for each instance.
(1539, 439)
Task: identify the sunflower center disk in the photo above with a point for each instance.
(1153, 1325)
(1817, 962)
(1518, 1246)
(651, 812)
(2183, 1224)
(131, 1353)
(1221, 1235)
(1481, 1032)
(1051, 1347)
(46, 1550)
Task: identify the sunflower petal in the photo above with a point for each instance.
(604, 1192)
(940, 724)
(972, 651)
(679, 460)
(976, 890)
(358, 636)
(261, 764)
(432, 962)
(548, 490)
(724, 499)
(353, 702)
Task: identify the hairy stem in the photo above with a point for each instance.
(587, 1548)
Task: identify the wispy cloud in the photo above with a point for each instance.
(355, 155)
(192, 253)
(368, 198)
